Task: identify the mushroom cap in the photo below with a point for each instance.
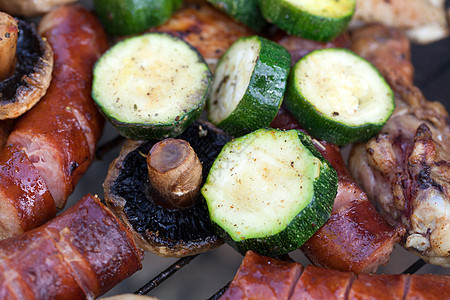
(33, 74)
(163, 231)
(30, 8)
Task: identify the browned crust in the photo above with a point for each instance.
(80, 254)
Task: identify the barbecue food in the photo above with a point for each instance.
(158, 227)
(26, 63)
(262, 277)
(405, 168)
(80, 254)
(355, 238)
(29, 8)
(210, 31)
(58, 136)
(423, 21)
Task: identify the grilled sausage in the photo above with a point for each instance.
(80, 254)
(25, 201)
(355, 238)
(60, 133)
(262, 277)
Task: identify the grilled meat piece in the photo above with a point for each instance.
(405, 168)
(60, 133)
(210, 31)
(261, 277)
(81, 254)
(423, 21)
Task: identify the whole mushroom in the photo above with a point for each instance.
(30, 8)
(26, 64)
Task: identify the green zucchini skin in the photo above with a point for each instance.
(257, 109)
(245, 11)
(140, 131)
(124, 17)
(158, 130)
(314, 123)
(305, 224)
(324, 128)
(301, 23)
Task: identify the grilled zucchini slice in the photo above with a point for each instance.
(248, 86)
(151, 86)
(338, 96)
(269, 191)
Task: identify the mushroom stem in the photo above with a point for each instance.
(175, 172)
(9, 31)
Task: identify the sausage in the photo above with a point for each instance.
(60, 133)
(262, 277)
(80, 254)
(355, 238)
(25, 200)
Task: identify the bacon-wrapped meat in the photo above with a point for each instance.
(59, 134)
(51, 146)
(80, 254)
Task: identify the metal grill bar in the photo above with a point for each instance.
(411, 270)
(172, 269)
(415, 267)
(220, 292)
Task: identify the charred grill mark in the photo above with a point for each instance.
(73, 167)
(425, 180)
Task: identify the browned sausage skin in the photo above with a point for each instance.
(80, 254)
(60, 133)
(25, 201)
(262, 277)
(355, 238)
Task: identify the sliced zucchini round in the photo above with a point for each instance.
(269, 191)
(248, 85)
(124, 17)
(311, 19)
(151, 86)
(245, 11)
(338, 96)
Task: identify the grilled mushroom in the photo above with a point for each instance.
(26, 63)
(30, 8)
(166, 223)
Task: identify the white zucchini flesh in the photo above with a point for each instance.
(232, 78)
(344, 87)
(151, 79)
(259, 183)
(324, 8)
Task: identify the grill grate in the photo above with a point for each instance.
(432, 75)
(175, 267)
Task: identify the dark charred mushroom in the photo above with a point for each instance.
(26, 63)
(150, 212)
(30, 8)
